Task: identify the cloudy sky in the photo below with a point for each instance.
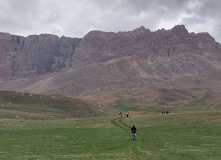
(75, 18)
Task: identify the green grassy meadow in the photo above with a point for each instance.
(184, 135)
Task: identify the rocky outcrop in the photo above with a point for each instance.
(23, 57)
(123, 62)
(166, 52)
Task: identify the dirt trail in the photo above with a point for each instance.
(119, 123)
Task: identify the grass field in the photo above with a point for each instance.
(185, 135)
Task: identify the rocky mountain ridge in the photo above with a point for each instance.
(23, 57)
(108, 62)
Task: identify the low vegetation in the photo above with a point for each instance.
(39, 107)
(34, 134)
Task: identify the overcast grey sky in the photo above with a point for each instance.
(75, 18)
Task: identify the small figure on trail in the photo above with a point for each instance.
(133, 130)
(120, 114)
(127, 113)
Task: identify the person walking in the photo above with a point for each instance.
(127, 113)
(120, 114)
(133, 130)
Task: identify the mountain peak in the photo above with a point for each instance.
(108, 62)
(140, 30)
(179, 29)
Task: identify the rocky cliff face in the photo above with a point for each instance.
(165, 52)
(23, 57)
(107, 62)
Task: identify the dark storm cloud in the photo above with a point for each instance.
(74, 18)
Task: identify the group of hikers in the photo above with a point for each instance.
(165, 112)
(120, 114)
(133, 129)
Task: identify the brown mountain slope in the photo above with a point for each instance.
(106, 63)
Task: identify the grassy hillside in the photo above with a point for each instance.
(32, 106)
(194, 99)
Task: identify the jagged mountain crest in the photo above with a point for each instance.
(108, 62)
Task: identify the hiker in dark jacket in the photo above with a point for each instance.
(133, 130)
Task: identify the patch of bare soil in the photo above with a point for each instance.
(138, 114)
(216, 120)
(102, 98)
(208, 144)
(214, 102)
